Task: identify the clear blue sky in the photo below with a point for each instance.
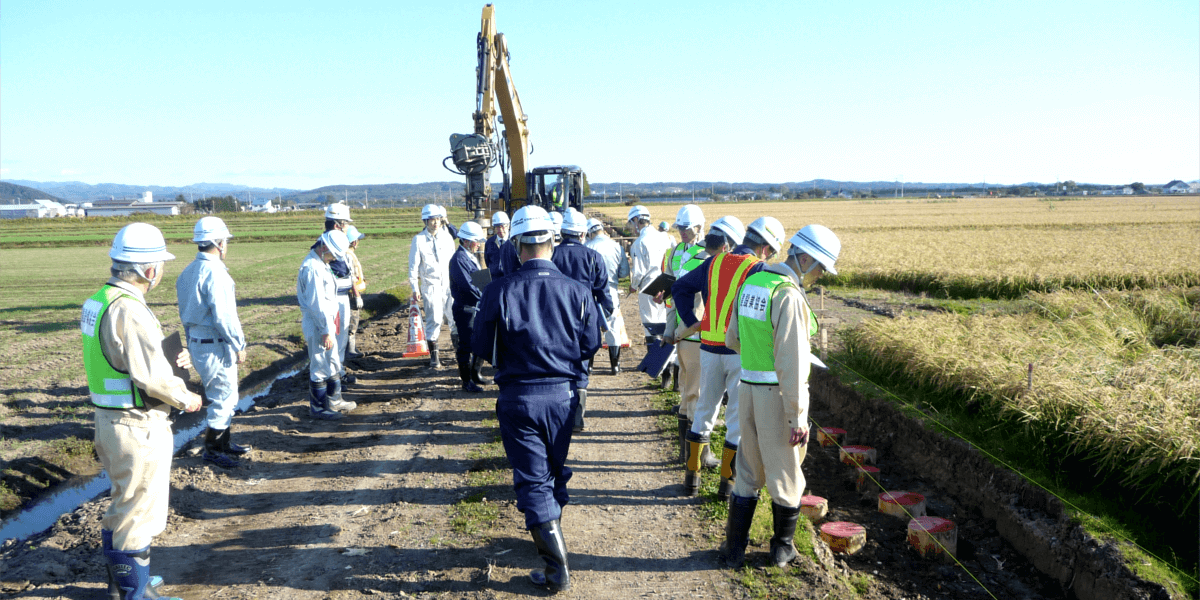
(300, 95)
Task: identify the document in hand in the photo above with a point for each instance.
(481, 278)
(662, 283)
(657, 359)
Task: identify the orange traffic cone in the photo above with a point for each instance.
(417, 346)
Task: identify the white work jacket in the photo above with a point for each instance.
(429, 260)
(316, 290)
(646, 256)
(612, 255)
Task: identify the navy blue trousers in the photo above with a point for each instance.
(536, 421)
(462, 354)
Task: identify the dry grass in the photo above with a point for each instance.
(1101, 380)
(999, 248)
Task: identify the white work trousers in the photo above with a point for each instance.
(135, 447)
(765, 455)
(720, 373)
(217, 366)
(322, 364)
(437, 303)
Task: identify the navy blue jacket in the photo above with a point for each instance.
(586, 266)
(683, 292)
(509, 261)
(462, 289)
(491, 253)
(537, 326)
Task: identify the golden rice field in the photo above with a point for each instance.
(1000, 248)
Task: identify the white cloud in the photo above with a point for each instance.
(71, 172)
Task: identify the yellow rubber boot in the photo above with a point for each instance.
(727, 472)
(691, 477)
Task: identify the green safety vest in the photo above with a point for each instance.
(755, 332)
(682, 263)
(109, 387)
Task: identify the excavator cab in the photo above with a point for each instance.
(553, 188)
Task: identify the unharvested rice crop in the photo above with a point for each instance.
(999, 248)
(1107, 375)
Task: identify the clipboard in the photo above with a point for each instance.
(662, 284)
(657, 359)
(481, 278)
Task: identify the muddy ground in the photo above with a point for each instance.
(410, 497)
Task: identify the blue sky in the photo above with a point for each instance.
(300, 95)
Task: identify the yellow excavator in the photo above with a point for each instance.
(475, 154)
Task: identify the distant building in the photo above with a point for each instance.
(124, 208)
(1177, 187)
(40, 209)
(147, 197)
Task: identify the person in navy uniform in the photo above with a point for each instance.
(491, 250)
(538, 328)
(586, 266)
(466, 297)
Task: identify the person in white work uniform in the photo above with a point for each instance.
(133, 389)
(429, 276)
(208, 311)
(316, 292)
(645, 258)
(617, 267)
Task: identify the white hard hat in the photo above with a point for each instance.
(442, 211)
(557, 218)
(594, 224)
(532, 225)
(336, 242)
(770, 230)
(471, 231)
(430, 211)
(338, 212)
(820, 243)
(638, 211)
(689, 215)
(574, 223)
(139, 243)
(730, 227)
(499, 218)
(353, 234)
(210, 229)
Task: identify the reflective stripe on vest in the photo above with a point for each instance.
(108, 387)
(755, 332)
(687, 267)
(725, 277)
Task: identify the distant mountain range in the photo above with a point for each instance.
(76, 192)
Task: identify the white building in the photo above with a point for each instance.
(124, 209)
(39, 209)
(1177, 187)
(147, 197)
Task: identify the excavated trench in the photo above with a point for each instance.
(1029, 518)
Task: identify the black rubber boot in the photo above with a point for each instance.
(318, 402)
(782, 550)
(468, 382)
(477, 371)
(214, 452)
(435, 359)
(737, 531)
(666, 377)
(675, 378)
(552, 548)
(228, 447)
(614, 358)
(580, 425)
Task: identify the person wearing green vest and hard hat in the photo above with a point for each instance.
(771, 331)
(133, 390)
(684, 257)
